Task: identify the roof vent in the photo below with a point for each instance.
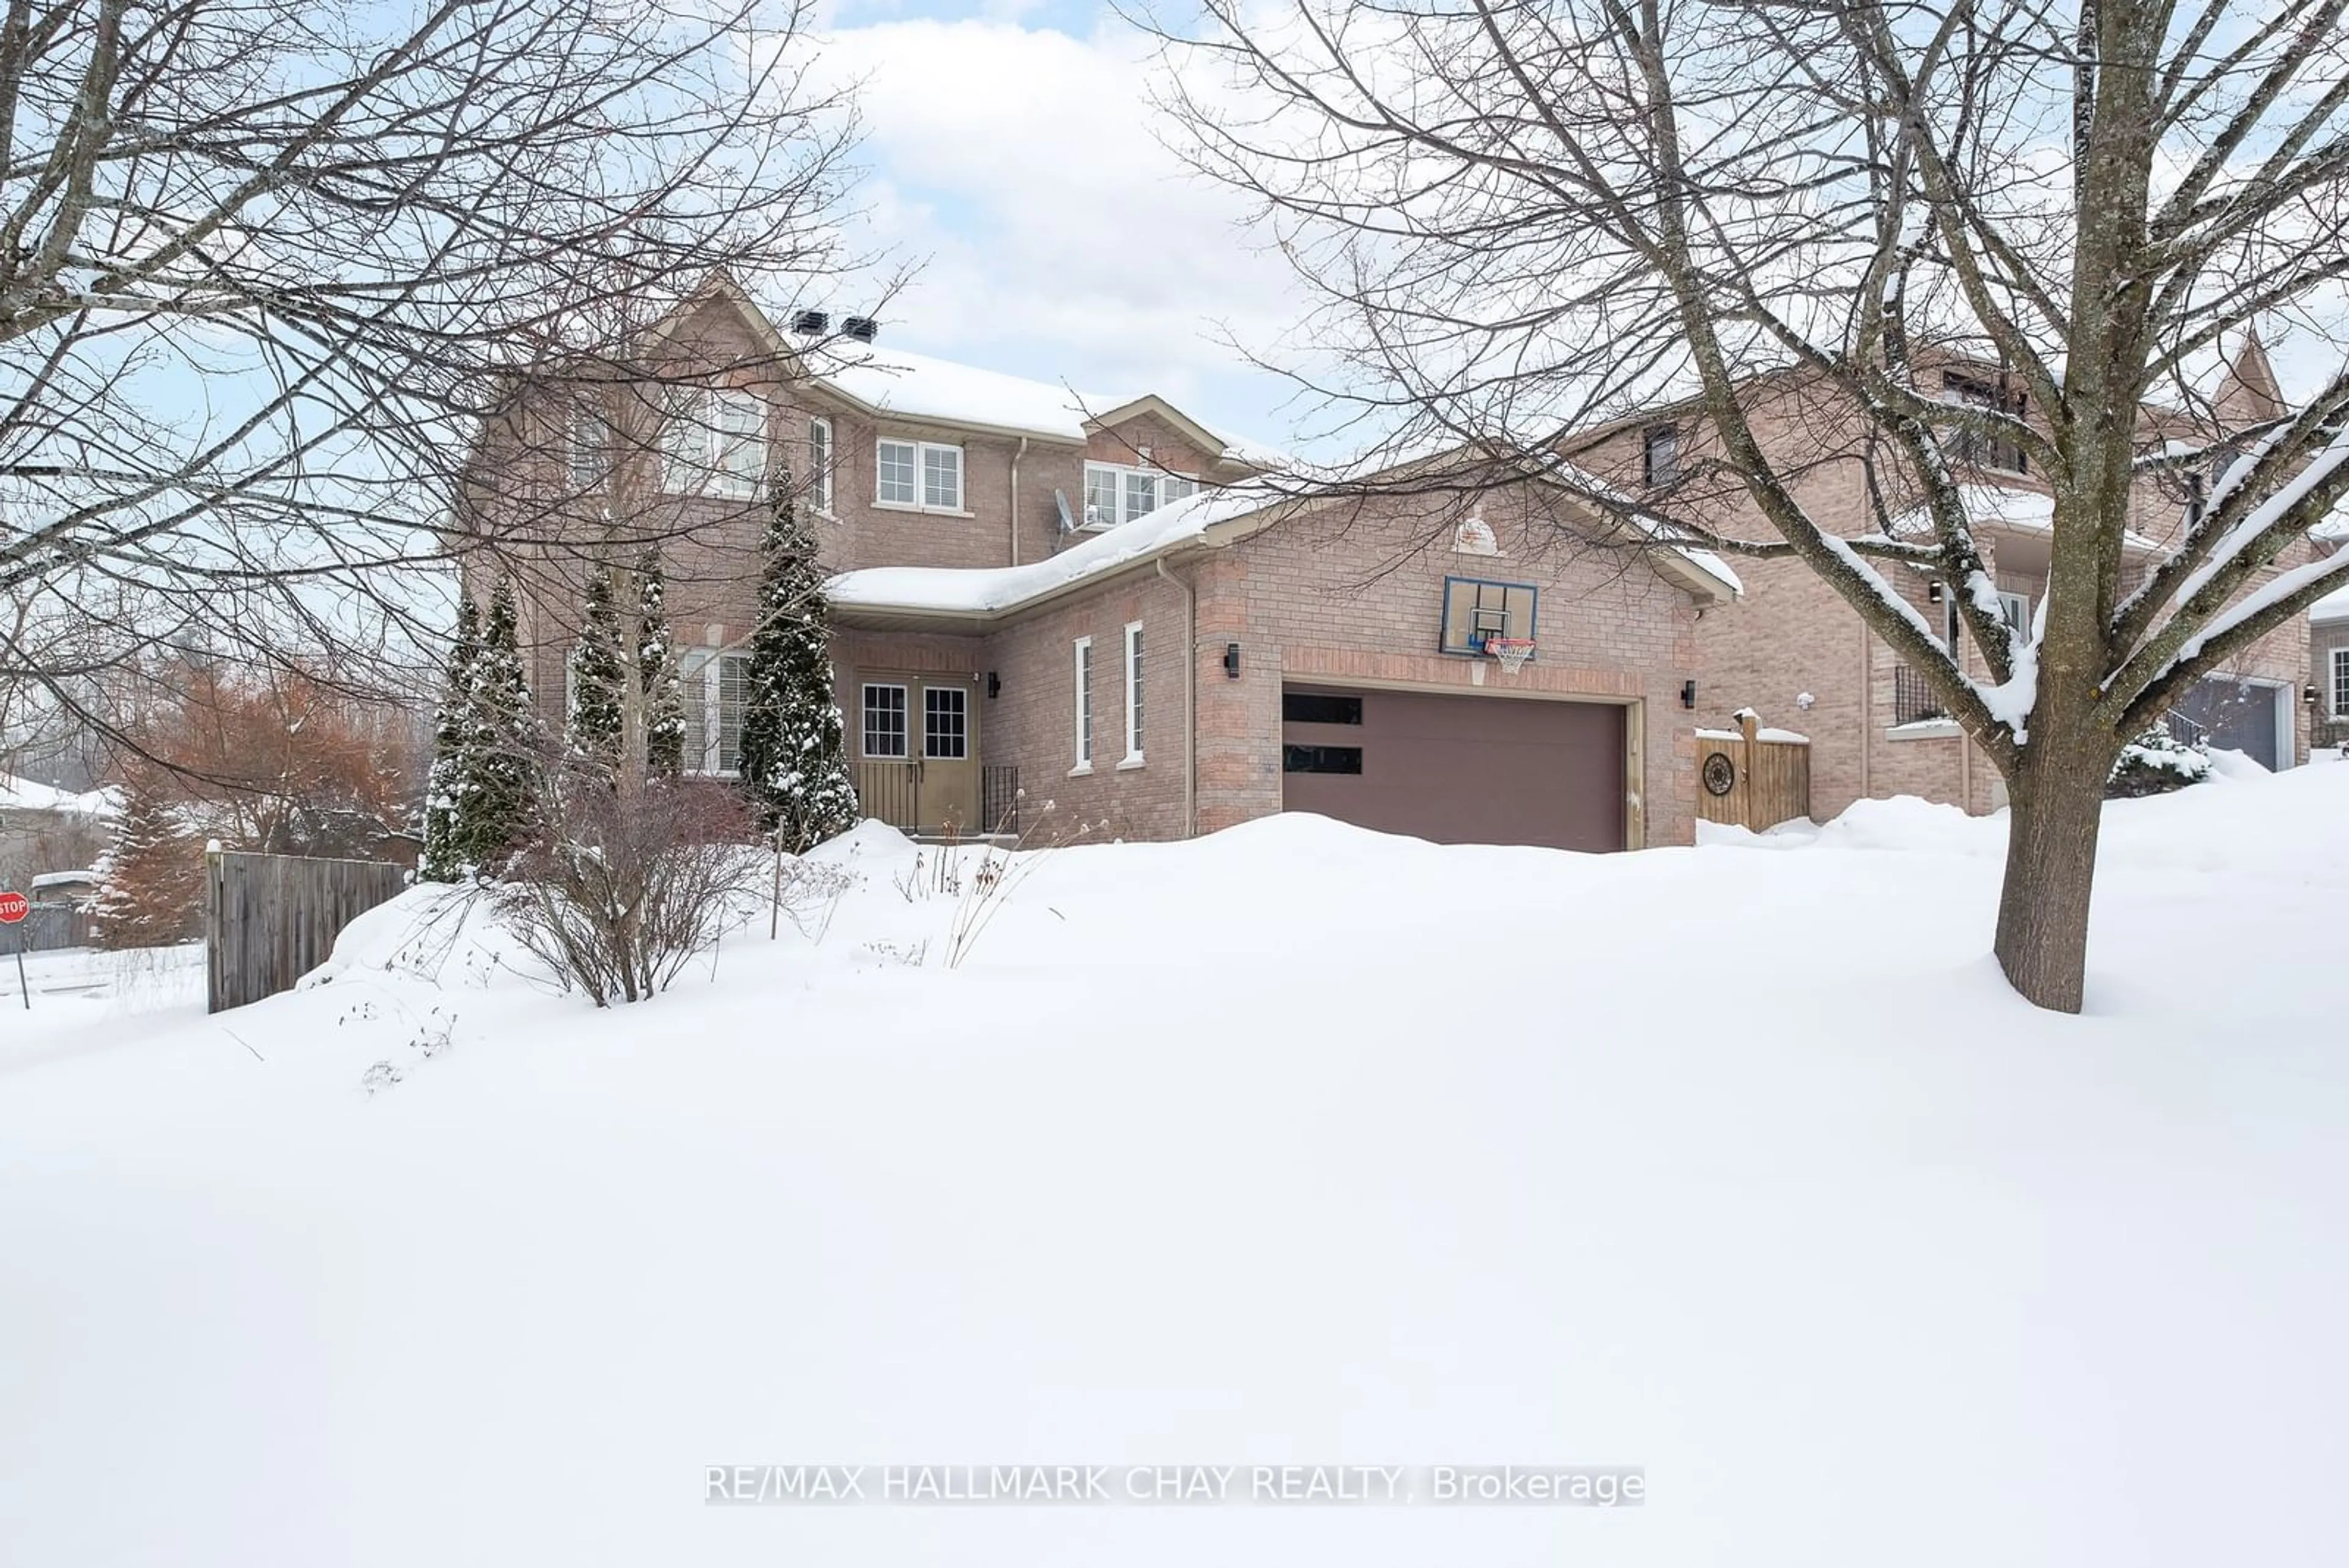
(811, 324)
(864, 329)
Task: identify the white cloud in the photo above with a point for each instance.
(1058, 238)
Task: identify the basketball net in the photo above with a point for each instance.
(1511, 652)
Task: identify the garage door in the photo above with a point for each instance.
(2237, 714)
(1457, 770)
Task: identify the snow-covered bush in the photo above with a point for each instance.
(616, 891)
(2156, 762)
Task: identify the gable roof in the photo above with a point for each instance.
(1229, 449)
(2249, 390)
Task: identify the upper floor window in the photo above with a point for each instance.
(586, 450)
(1118, 492)
(927, 475)
(1979, 447)
(714, 442)
(2341, 682)
(2017, 608)
(818, 485)
(1660, 455)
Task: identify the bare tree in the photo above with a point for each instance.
(1525, 219)
(269, 271)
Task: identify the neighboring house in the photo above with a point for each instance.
(2328, 668)
(45, 830)
(1083, 601)
(1792, 649)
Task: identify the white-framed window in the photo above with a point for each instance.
(921, 474)
(819, 490)
(2341, 682)
(2016, 607)
(714, 442)
(885, 719)
(712, 685)
(946, 722)
(1085, 672)
(1119, 492)
(895, 464)
(584, 450)
(941, 478)
(1133, 695)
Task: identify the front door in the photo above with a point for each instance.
(917, 768)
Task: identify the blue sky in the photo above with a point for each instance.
(1012, 151)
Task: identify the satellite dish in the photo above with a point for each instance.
(1060, 502)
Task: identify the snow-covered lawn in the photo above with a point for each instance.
(81, 998)
(1295, 1145)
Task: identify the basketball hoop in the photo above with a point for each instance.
(1511, 651)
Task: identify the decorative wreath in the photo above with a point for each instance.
(1720, 773)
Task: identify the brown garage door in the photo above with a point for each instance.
(1457, 770)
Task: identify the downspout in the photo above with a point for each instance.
(1190, 704)
(1866, 707)
(1017, 452)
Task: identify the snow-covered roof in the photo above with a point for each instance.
(63, 879)
(995, 590)
(2333, 607)
(2000, 507)
(917, 387)
(24, 795)
(987, 591)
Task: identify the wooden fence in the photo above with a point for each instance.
(1751, 777)
(269, 920)
(50, 927)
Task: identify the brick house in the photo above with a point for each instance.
(2328, 668)
(1042, 597)
(1790, 647)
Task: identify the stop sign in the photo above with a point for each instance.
(13, 907)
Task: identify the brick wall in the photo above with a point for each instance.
(2332, 724)
(1168, 448)
(1793, 636)
(1313, 599)
(1032, 724)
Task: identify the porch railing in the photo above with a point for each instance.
(887, 790)
(892, 792)
(2183, 730)
(1913, 700)
(998, 797)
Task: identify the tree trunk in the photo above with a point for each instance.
(2055, 805)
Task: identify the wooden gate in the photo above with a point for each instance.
(269, 920)
(1751, 777)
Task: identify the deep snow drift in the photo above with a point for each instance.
(1295, 1145)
